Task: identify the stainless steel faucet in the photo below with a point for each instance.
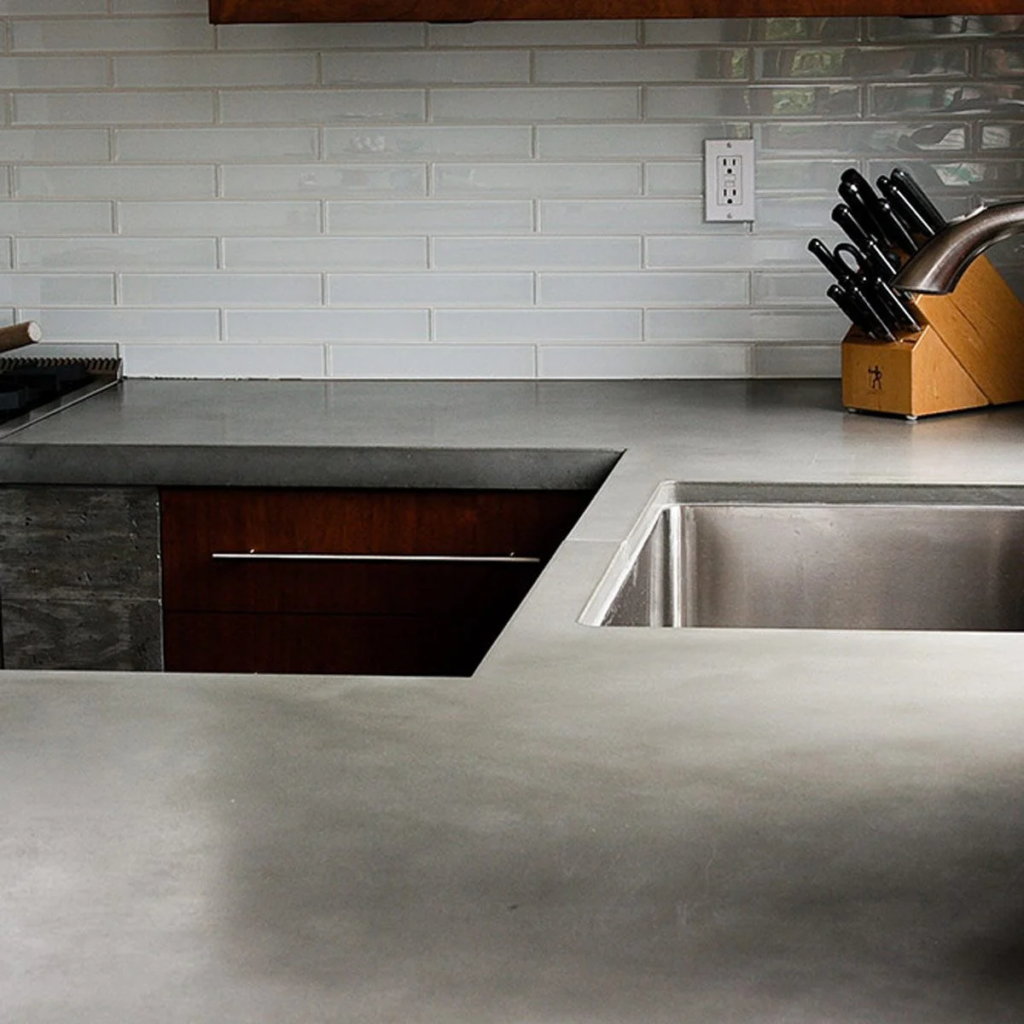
(937, 266)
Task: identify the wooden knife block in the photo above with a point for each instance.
(969, 354)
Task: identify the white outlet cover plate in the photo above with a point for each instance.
(743, 208)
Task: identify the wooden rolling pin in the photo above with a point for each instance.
(19, 334)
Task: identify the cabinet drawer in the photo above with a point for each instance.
(358, 552)
(360, 644)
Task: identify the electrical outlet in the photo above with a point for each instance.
(729, 179)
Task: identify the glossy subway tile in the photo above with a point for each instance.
(641, 65)
(221, 290)
(428, 142)
(111, 34)
(492, 200)
(859, 63)
(115, 253)
(537, 179)
(322, 181)
(188, 145)
(324, 254)
(537, 253)
(223, 360)
(581, 362)
(286, 38)
(427, 67)
(451, 362)
(433, 289)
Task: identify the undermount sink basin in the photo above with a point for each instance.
(819, 558)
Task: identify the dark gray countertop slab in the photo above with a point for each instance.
(611, 826)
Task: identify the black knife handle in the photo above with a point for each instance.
(843, 216)
(917, 196)
(854, 199)
(842, 300)
(829, 260)
(885, 264)
(869, 313)
(898, 314)
(899, 237)
(888, 228)
(904, 208)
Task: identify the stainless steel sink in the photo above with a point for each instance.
(820, 558)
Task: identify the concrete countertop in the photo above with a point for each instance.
(602, 825)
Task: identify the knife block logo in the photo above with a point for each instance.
(875, 378)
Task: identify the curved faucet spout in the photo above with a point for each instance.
(937, 266)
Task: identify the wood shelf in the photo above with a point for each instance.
(284, 11)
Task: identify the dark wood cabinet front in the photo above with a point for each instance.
(368, 582)
(228, 11)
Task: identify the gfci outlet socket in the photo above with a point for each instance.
(729, 179)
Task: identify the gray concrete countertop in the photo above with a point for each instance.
(602, 825)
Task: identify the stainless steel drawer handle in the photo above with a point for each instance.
(271, 556)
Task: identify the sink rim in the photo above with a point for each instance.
(800, 494)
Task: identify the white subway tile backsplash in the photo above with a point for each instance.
(696, 31)
(221, 290)
(441, 217)
(43, 290)
(54, 72)
(583, 325)
(625, 217)
(429, 67)
(537, 253)
(955, 27)
(654, 141)
(323, 106)
(783, 213)
(160, 6)
(451, 362)
(54, 145)
(53, 7)
(579, 362)
(535, 33)
(111, 34)
(357, 35)
(799, 176)
(115, 253)
(858, 63)
(680, 326)
(853, 138)
(428, 142)
(222, 360)
(950, 99)
(675, 179)
(220, 217)
(535, 105)
(641, 65)
(329, 325)
(323, 254)
(113, 108)
(21, 218)
(66, 324)
(797, 361)
(648, 288)
(113, 182)
(190, 145)
(499, 199)
(672, 103)
(537, 179)
(788, 289)
(430, 289)
(323, 181)
(215, 69)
